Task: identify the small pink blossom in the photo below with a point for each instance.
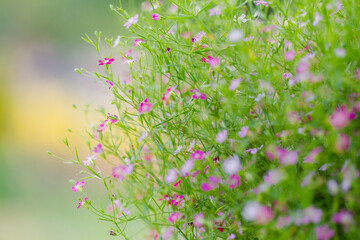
(244, 131)
(342, 143)
(283, 222)
(112, 118)
(198, 37)
(174, 217)
(166, 235)
(198, 219)
(311, 214)
(323, 232)
(78, 186)
(312, 155)
(213, 62)
(254, 211)
(106, 61)
(221, 136)
(290, 55)
(233, 181)
(318, 18)
(82, 202)
(286, 157)
(121, 171)
(90, 160)
(231, 236)
(343, 217)
(197, 155)
(145, 106)
(262, 2)
(307, 179)
(98, 149)
(235, 84)
(171, 176)
(167, 94)
(138, 41)
(131, 21)
(198, 94)
(110, 84)
(186, 168)
(273, 177)
(341, 117)
(155, 16)
(213, 182)
(338, 8)
(102, 127)
(287, 75)
(215, 11)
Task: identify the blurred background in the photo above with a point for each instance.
(40, 45)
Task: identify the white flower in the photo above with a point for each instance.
(232, 165)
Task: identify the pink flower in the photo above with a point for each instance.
(98, 149)
(324, 232)
(343, 217)
(254, 211)
(166, 235)
(198, 94)
(138, 41)
(78, 186)
(155, 16)
(312, 155)
(317, 19)
(90, 160)
(273, 177)
(82, 202)
(198, 37)
(213, 62)
(197, 155)
(232, 165)
(337, 9)
(287, 75)
(234, 84)
(283, 222)
(121, 171)
(231, 236)
(233, 181)
(342, 142)
(166, 95)
(307, 179)
(244, 131)
(112, 118)
(213, 182)
(186, 168)
(262, 2)
(221, 136)
(174, 217)
(198, 218)
(145, 106)
(106, 61)
(290, 55)
(110, 84)
(311, 214)
(215, 11)
(171, 176)
(131, 21)
(341, 117)
(286, 157)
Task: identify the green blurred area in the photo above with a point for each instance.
(40, 45)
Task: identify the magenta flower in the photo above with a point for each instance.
(121, 171)
(82, 202)
(290, 55)
(343, 217)
(213, 182)
(233, 181)
(215, 11)
(323, 232)
(341, 117)
(155, 16)
(174, 217)
(171, 176)
(262, 2)
(112, 118)
(207, 187)
(167, 94)
(221, 136)
(197, 155)
(78, 186)
(145, 106)
(213, 62)
(312, 155)
(106, 61)
(131, 21)
(138, 41)
(197, 94)
(98, 149)
(110, 84)
(244, 131)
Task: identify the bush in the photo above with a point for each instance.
(236, 120)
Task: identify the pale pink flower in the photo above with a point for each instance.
(166, 235)
(312, 155)
(198, 37)
(244, 131)
(171, 176)
(262, 2)
(145, 106)
(338, 8)
(221, 136)
(340, 52)
(197, 94)
(198, 219)
(342, 142)
(233, 181)
(155, 16)
(178, 149)
(311, 214)
(333, 187)
(213, 62)
(324, 167)
(323, 232)
(318, 18)
(138, 41)
(286, 157)
(283, 222)
(167, 95)
(343, 217)
(273, 177)
(131, 21)
(121, 171)
(232, 165)
(231, 236)
(78, 186)
(235, 84)
(215, 11)
(186, 168)
(90, 160)
(174, 217)
(287, 75)
(341, 117)
(110, 84)
(82, 202)
(290, 55)
(254, 211)
(307, 179)
(98, 149)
